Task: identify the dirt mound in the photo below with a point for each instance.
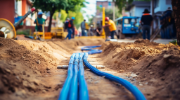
(24, 65)
(156, 65)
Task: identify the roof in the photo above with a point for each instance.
(138, 4)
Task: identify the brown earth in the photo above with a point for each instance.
(28, 69)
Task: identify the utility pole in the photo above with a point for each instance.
(114, 8)
(152, 9)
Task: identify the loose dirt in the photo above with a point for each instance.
(28, 69)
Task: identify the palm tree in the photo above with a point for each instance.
(176, 14)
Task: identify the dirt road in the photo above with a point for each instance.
(28, 69)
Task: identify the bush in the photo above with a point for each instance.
(23, 32)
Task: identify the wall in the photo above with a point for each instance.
(139, 11)
(162, 6)
(7, 10)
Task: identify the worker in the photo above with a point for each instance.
(66, 24)
(170, 23)
(91, 30)
(146, 22)
(83, 28)
(162, 27)
(39, 22)
(98, 31)
(87, 29)
(70, 28)
(111, 25)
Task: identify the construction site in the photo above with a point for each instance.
(45, 65)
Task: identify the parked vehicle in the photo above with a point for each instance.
(128, 26)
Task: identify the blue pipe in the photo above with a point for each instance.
(87, 48)
(83, 90)
(91, 50)
(66, 86)
(73, 93)
(133, 89)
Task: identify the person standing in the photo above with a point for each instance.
(170, 22)
(98, 31)
(83, 28)
(70, 28)
(91, 31)
(146, 22)
(111, 25)
(39, 22)
(66, 24)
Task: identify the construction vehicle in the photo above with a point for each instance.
(129, 26)
(8, 30)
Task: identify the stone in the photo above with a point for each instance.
(140, 84)
(151, 73)
(166, 56)
(133, 75)
(7, 70)
(24, 73)
(38, 61)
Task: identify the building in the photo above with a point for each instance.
(160, 6)
(21, 8)
(137, 8)
(7, 9)
(107, 4)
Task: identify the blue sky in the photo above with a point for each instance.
(90, 8)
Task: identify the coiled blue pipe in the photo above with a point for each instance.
(83, 91)
(73, 93)
(66, 86)
(133, 89)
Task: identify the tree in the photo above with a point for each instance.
(176, 14)
(63, 15)
(57, 5)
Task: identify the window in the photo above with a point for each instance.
(100, 6)
(168, 2)
(109, 4)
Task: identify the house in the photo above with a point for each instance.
(7, 9)
(21, 8)
(108, 4)
(160, 6)
(137, 8)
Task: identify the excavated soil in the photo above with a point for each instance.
(28, 69)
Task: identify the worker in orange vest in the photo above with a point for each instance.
(111, 25)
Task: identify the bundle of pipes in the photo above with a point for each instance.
(72, 82)
(70, 89)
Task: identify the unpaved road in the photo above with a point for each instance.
(28, 69)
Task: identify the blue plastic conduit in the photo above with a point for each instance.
(66, 86)
(91, 50)
(73, 93)
(83, 91)
(133, 89)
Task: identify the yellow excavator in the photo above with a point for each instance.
(8, 30)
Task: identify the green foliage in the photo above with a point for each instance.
(63, 15)
(70, 6)
(24, 32)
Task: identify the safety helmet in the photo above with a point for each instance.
(107, 18)
(40, 13)
(73, 18)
